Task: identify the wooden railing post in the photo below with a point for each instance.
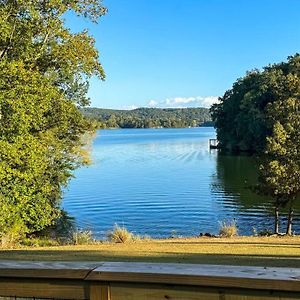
(99, 291)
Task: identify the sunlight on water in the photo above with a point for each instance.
(155, 181)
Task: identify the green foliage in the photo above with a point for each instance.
(34, 32)
(280, 169)
(62, 230)
(149, 117)
(261, 113)
(83, 237)
(43, 73)
(12, 227)
(39, 242)
(241, 116)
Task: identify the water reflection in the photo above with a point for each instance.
(233, 183)
(155, 181)
(237, 175)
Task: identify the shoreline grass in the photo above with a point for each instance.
(255, 251)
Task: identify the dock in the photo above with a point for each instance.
(213, 144)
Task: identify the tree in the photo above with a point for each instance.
(240, 117)
(260, 114)
(280, 171)
(44, 70)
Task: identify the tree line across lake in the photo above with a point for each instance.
(149, 117)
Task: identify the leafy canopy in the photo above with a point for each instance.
(261, 113)
(281, 167)
(44, 69)
(241, 116)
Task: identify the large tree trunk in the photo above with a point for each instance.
(290, 221)
(276, 215)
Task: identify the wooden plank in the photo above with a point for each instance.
(156, 292)
(69, 280)
(68, 270)
(245, 294)
(282, 279)
(44, 288)
(138, 291)
(99, 291)
(248, 295)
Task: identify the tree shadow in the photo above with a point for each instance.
(159, 257)
(268, 244)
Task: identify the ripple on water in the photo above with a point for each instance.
(158, 181)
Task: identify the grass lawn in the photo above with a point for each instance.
(259, 251)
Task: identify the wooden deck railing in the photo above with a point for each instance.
(141, 281)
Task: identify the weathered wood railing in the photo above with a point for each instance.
(140, 281)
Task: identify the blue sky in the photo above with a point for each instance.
(171, 53)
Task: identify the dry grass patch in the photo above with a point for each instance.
(228, 229)
(120, 235)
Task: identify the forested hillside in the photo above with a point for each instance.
(150, 117)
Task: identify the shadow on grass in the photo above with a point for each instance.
(162, 257)
(268, 244)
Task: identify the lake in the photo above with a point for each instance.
(163, 182)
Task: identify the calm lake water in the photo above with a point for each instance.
(161, 182)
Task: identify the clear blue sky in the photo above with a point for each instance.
(184, 52)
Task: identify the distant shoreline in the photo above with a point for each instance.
(149, 117)
(115, 128)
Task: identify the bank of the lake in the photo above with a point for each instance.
(255, 251)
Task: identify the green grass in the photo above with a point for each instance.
(259, 251)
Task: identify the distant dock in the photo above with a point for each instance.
(213, 144)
